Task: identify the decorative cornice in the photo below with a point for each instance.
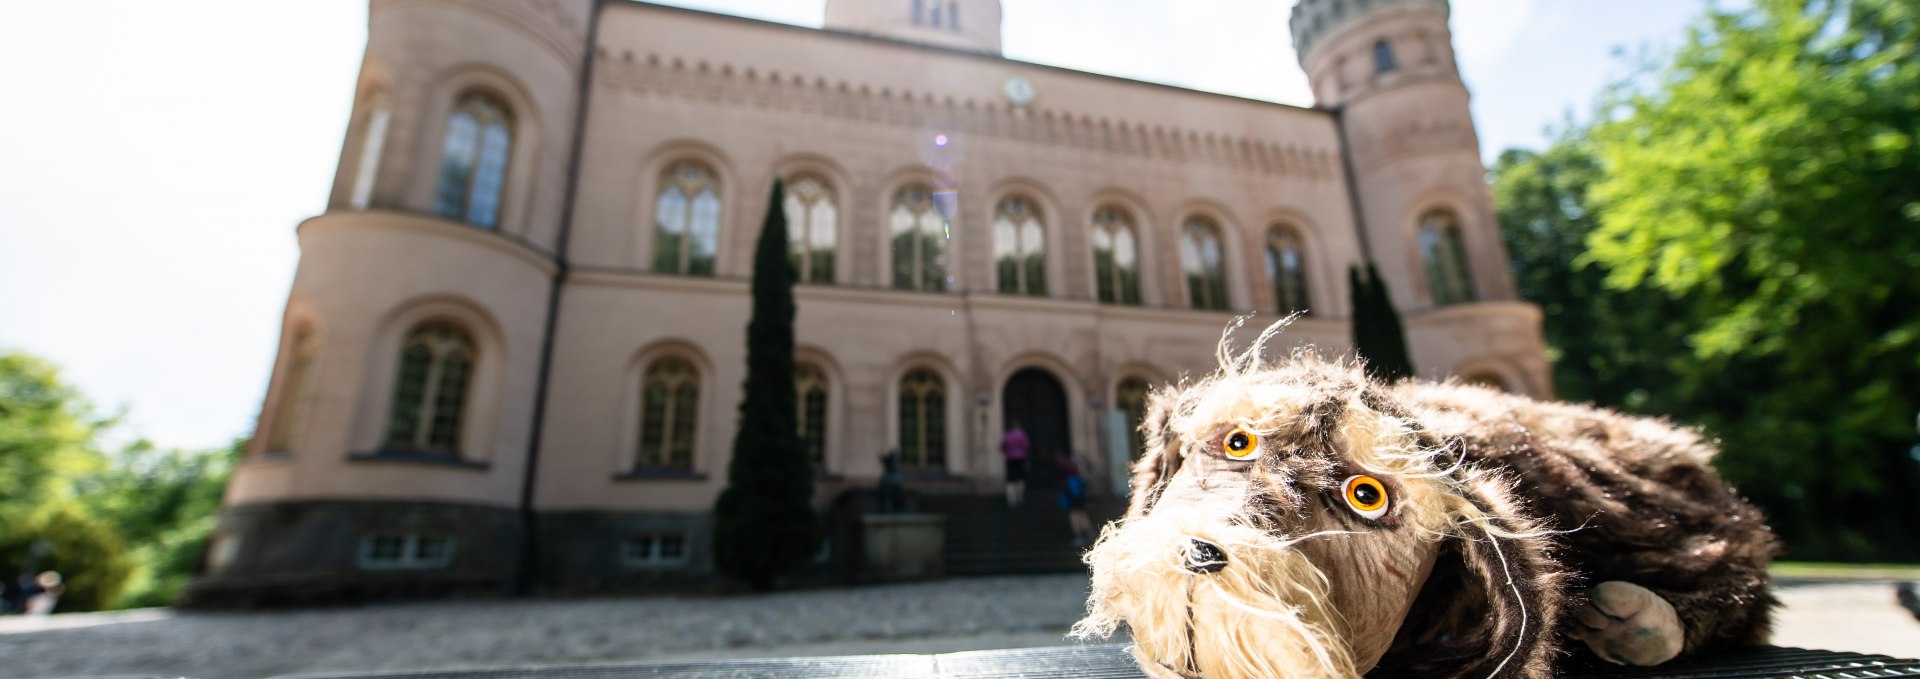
(728, 84)
(1472, 313)
(399, 221)
(984, 301)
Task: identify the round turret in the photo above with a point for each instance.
(1387, 71)
(963, 24)
(395, 428)
(1349, 47)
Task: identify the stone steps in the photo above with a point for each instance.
(984, 536)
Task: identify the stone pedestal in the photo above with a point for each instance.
(904, 546)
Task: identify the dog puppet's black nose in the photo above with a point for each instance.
(1205, 557)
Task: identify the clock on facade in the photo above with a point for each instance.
(1019, 90)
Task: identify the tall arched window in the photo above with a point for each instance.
(1131, 396)
(1116, 259)
(923, 419)
(1203, 263)
(1287, 269)
(686, 221)
(1019, 248)
(1448, 276)
(669, 407)
(811, 222)
(936, 13)
(919, 12)
(811, 383)
(473, 161)
(374, 139)
(430, 393)
(290, 414)
(1383, 57)
(919, 241)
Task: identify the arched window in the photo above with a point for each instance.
(1131, 396)
(430, 393)
(290, 414)
(811, 383)
(374, 139)
(473, 161)
(1383, 57)
(1116, 258)
(669, 407)
(1200, 257)
(919, 241)
(1287, 269)
(953, 17)
(919, 12)
(1019, 248)
(1445, 258)
(811, 222)
(923, 419)
(936, 13)
(686, 221)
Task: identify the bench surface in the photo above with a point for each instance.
(1111, 661)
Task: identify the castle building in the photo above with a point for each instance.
(516, 335)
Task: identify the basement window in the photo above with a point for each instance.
(654, 550)
(410, 551)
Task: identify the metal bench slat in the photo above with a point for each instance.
(1111, 661)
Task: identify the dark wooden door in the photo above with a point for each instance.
(1037, 401)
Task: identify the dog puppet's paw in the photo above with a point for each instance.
(1627, 624)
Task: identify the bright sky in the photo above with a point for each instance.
(156, 156)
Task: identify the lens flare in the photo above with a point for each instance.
(947, 202)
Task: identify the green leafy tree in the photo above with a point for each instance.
(164, 504)
(1378, 336)
(1612, 347)
(123, 529)
(47, 434)
(89, 555)
(763, 522)
(1771, 176)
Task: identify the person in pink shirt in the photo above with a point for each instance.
(1014, 446)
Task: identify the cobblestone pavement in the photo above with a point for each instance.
(1030, 610)
(952, 615)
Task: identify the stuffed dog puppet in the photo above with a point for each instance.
(1299, 520)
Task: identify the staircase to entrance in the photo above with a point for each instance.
(986, 537)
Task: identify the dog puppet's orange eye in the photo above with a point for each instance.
(1366, 495)
(1240, 445)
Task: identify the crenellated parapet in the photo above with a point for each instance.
(1314, 20)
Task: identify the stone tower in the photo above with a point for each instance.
(1386, 67)
(963, 24)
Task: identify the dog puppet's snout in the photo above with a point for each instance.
(1205, 557)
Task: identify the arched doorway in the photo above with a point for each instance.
(1036, 400)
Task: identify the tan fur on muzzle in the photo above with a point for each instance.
(1267, 614)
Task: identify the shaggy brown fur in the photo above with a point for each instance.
(1503, 511)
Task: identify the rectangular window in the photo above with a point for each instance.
(410, 551)
(654, 550)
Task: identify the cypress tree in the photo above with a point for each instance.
(1398, 357)
(763, 523)
(1363, 316)
(1378, 336)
